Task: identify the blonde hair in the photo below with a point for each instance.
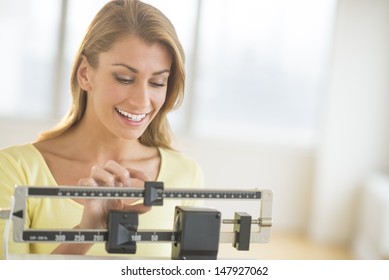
(116, 19)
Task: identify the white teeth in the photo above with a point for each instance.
(131, 117)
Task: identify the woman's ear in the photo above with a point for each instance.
(83, 74)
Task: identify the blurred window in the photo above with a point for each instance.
(261, 66)
(28, 51)
(256, 68)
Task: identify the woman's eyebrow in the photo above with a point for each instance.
(161, 72)
(134, 70)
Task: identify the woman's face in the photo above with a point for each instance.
(128, 87)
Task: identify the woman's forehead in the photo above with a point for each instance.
(138, 53)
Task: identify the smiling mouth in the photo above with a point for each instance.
(131, 117)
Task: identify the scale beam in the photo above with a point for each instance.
(151, 192)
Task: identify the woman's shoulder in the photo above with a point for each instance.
(177, 165)
(174, 154)
(24, 157)
(19, 152)
(22, 165)
(177, 158)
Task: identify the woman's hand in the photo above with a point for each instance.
(112, 174)
(96, 211)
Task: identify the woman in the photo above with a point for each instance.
(128, 74)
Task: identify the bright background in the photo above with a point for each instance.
(287, 95)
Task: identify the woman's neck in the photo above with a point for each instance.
(84, 143)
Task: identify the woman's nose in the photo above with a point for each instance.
(139, 95)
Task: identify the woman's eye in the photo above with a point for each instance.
(123, 80)
(158, 84)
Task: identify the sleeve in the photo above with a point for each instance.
(196, 174)
(199, 178)
(195, 177)
(10, 175)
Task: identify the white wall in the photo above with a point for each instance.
(355, 130)
(313, 189)
(21, 131)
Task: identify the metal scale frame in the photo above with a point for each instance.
(196, 232)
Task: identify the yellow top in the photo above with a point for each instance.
(24, 165)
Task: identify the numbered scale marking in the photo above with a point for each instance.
(107, 192)
(85, 236)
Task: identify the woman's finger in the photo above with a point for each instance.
(113, 174)
(102, 176)
(136, 174)
(121, 174)
(139, 208)
(87, 182)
